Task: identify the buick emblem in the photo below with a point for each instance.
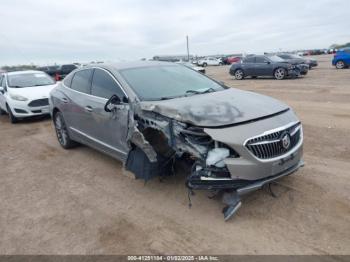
(285, 140)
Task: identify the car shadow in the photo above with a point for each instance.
(27, 120)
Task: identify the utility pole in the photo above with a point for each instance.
(188, 50)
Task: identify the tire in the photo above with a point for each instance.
(12, 118)
(220, 64)
(62, 133)
(340, 64)
(2, 112)
(205, 64)
(239, 74)
(254, 77)
(280, 73)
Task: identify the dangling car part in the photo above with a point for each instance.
(152, 115)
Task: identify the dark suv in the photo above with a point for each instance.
(65, 70)
(50, 70)
(262, 65)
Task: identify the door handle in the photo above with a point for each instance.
(65, 100)
(88, 108)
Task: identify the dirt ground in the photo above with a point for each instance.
(82, 202)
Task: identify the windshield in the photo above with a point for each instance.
(165, 82)
(275, 58)
(29, 79)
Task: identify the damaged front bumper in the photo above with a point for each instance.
(241, 186)
(260, 154)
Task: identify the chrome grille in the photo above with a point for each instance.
(271, 145)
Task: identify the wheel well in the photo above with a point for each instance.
(279, 68)
(54, 112)
(158, 141)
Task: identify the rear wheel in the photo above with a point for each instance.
(340, 64)
(62, 132)
(280, 73)
(12, 118)
(239, 74)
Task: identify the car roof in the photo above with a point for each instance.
(128, 65)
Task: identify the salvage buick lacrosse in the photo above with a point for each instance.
(151, 115)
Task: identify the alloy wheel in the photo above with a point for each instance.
(340, 65)
(239, 74)
(280, 73)
(61, 130)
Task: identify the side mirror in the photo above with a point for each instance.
(268, 62)
(113, 101)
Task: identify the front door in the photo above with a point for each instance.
(108, 129)
(263, 66)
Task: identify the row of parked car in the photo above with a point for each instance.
(58, 72)
(33, 100)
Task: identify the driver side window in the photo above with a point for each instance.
(104, 86)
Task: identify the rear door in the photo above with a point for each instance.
(76, 113)
(108, 129)
(248, 66)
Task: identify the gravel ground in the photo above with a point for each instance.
(82, 202)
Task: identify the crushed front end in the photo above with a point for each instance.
(235, 159)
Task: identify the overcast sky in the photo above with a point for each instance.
(42, 31)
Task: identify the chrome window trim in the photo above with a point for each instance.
(96, 67)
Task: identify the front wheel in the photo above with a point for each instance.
(340, 65)
(12, 118)
(280, 73)
(2, 112)
(239, 74)
(205, 64)
(62, 132)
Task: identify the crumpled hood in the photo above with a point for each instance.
(33, 92)
(220, 108)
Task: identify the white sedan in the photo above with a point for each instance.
(25, 94)
(209, 61)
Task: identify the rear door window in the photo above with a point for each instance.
(68, 80)
(81, 81)
(103, 85)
